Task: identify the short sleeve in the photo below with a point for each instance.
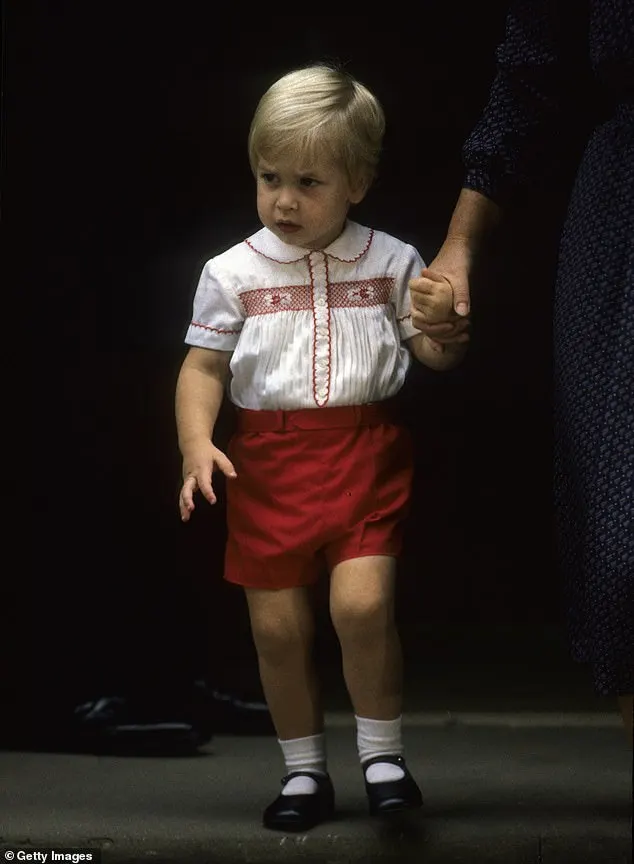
(218, 314)
(410, 267)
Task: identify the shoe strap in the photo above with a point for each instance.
(391, 759)
(315, 775)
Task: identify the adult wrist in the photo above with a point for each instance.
(462, 244)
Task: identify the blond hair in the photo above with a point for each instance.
(318, 111)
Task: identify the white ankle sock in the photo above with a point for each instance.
(379, 738)
(304, 754)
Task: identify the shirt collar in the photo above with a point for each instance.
(352, 244)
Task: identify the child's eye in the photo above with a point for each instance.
(309, 182)
(268, 177)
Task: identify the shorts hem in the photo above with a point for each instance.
(366, 553)
(290, 581)
(277, 586)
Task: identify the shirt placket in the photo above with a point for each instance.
(321, 336)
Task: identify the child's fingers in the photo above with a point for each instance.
(423, 286)
(186, 498)
(428, 281)
(204, 484)
(431, 276)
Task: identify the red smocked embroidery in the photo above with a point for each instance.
(286, 298)
(364, 292)
(214, 329)
(296, 298)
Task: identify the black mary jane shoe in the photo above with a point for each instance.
(392, 796)
(301, 812)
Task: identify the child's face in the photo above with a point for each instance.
(305, 205)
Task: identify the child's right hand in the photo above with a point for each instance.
(199, 462)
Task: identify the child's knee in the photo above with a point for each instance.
(365, 614)
(277, 640)
(280, 630)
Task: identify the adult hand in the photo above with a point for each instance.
(199, 462)
(452, 266)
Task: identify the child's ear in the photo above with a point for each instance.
(358, 189)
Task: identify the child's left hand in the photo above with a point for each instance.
(432, 299)
(432, 310)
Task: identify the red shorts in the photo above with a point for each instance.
(314, 487)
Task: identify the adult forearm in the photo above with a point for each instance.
(199, 396)
(473, 220)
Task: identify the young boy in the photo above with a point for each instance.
(309, 320)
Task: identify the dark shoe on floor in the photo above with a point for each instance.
(149, 724)
(238, 714)
(393, 796)
(301, 812)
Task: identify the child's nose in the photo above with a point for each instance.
(286, 199)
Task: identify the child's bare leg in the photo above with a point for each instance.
(282, 625)
(362, 612)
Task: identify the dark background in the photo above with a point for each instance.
(125, 170)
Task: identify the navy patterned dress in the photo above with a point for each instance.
(543, 60)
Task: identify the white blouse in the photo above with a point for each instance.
(308, 328)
